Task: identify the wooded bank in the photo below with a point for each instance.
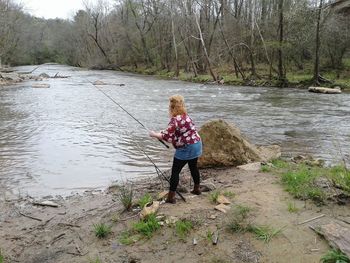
(280, 42)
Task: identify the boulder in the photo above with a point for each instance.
(324, 90)
(12, 77)
(224, 145)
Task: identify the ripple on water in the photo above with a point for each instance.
(71, 137)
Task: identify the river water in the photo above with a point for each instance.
(70, 137)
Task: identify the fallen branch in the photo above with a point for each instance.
(311, 219)
(55, 239)
(31, 217)
(68, 224)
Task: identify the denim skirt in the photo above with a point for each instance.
(189, 152)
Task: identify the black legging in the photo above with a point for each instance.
(176, 169)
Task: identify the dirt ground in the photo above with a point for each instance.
(33, 234)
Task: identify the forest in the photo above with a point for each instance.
(266, 42)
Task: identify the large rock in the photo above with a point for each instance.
(13, 77)
(224, 145)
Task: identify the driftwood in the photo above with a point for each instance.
(311, 219)
(336, 234)
(46, 203)
(324, 90)
(31, 217)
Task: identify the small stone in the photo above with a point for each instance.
(255, 167)
(162, 195)
(99, 82)
(223, 200)
(222, 208)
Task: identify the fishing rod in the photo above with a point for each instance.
(159, 172)
(113, 100)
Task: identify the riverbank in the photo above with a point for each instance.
(183, 232)
(296, 80)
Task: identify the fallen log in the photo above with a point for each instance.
(324, 90)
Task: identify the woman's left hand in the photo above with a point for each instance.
(153, 134)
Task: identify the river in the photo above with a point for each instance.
(70, 137)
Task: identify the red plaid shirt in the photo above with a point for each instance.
(181, 131)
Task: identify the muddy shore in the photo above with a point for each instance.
(32, 233)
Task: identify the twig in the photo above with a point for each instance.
(31, 217)
(311, 219)
(68, 224)
(55, 239)
(127, 218)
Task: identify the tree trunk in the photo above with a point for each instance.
(281, 75)
(205, 51)
(316, 78)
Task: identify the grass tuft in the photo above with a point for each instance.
(147, 198)
(96, 260)
(299, 182)
(2, 258)
(148, 226)
(238, 219)
(265, 233)
(183, 227)
(126, 197)
(102, 230)
(265, 168)
(229, 194)
(335, 256)
(292, 207)
(126, 238)
(213, 196)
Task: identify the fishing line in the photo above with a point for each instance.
(159, 172)
(115, 102)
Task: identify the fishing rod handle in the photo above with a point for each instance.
(162, 142)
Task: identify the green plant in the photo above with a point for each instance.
(147, 198)
(292, 207)
(335, 256)
(265, 168)
(265, 233)
(340, 175)
(183, 227)
(147, 226)
(2, 258)
(209, 235)
(126, 238)
(96, 260)
(102, 230)
(280, 164)
(299, 181)
(126, 197)
(229, 194)
(238, 219)
(213, 196)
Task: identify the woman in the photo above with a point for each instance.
(182, 133)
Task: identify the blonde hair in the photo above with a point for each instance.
(177, 105)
